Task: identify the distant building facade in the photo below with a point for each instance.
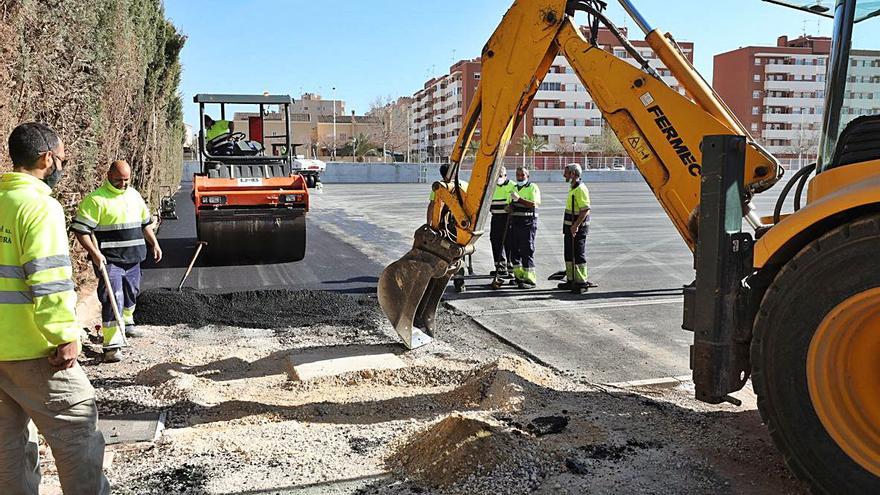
(312, 127)
(778, 92)
(562, 112)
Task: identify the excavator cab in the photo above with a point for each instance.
(250, 206)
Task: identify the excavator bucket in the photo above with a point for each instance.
(410, 288)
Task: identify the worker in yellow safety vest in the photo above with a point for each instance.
(523, 203)
(41, 382)
(575, 227)
(118, 217)
(217, 128)
(501, 242)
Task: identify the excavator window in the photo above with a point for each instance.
(845, 133)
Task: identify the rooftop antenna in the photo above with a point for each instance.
(453, 55)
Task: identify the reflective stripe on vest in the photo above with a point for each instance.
(500, 198)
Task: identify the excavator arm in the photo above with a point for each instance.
(660, 128)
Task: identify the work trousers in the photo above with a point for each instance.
(62, 405)
(576, 256)
(125, 280)
(501, 243)
(522, 232)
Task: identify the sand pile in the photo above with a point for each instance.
(258, 309)
(503, 384)
(453, 450)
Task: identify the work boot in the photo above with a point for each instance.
(509, 272)
(525, 284)
(113, 355)
(132, 331)
(565, 286)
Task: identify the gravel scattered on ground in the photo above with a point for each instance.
(467, 415)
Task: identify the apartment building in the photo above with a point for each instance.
(778, 92)
(562, 111)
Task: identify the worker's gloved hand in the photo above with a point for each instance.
(65, 355)
(98, 259)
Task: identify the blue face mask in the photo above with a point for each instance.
(522, 183)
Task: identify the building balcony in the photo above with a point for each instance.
(792, 118)
(567, 113)
(799, 86)
(789, 102)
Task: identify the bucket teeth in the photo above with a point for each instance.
(410, 288)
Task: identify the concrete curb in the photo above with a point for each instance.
(664, 382)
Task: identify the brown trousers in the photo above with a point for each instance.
(62, 405)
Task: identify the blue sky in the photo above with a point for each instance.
(371, 48)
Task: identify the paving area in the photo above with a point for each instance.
(266, 386)
(627, 329)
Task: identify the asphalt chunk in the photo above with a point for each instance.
(267, 309)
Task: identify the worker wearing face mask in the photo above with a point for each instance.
(501, 242)
(575, 226)
(523, 203)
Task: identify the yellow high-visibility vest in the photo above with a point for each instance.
(37, 298)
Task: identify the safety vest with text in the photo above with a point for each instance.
(37, 298)
(117, 218)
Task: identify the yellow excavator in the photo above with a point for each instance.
(792, 302)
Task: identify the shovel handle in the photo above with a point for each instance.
(110, 295)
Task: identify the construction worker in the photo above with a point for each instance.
(575, 226)
(40, 380)
(524, 201)
(121, 222)
(217, 128)
(498, 229)
(447, 222)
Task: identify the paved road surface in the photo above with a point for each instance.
(329, 263)
(627, 329)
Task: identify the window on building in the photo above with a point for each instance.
(477, 76)
(756, 94)
(757, 77)
(754, 126)
(756, 110)
(550, 86)
(757, 60)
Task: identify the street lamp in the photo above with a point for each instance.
(334, 123)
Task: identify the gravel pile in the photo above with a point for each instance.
(273, 309)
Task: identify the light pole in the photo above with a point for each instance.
(334, 123)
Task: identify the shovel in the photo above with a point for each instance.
(120, 322)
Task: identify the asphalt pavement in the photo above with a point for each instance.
(330, 264)
(627, 329)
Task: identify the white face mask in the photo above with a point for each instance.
(501, 181)
(522, 182)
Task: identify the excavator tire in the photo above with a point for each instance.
(815, 364)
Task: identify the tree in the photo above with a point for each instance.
(393, 119)
(359, 148)
(606, 143)
(472, 149)
(804, 144)
(532, 144)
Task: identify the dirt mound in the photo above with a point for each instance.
(273, 309)
(501, 385)
(453, 450)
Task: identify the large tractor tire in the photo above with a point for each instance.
(816, 360)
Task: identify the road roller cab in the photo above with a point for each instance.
(250, 205)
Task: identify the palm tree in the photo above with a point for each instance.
(362, 147)
(532, 145)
